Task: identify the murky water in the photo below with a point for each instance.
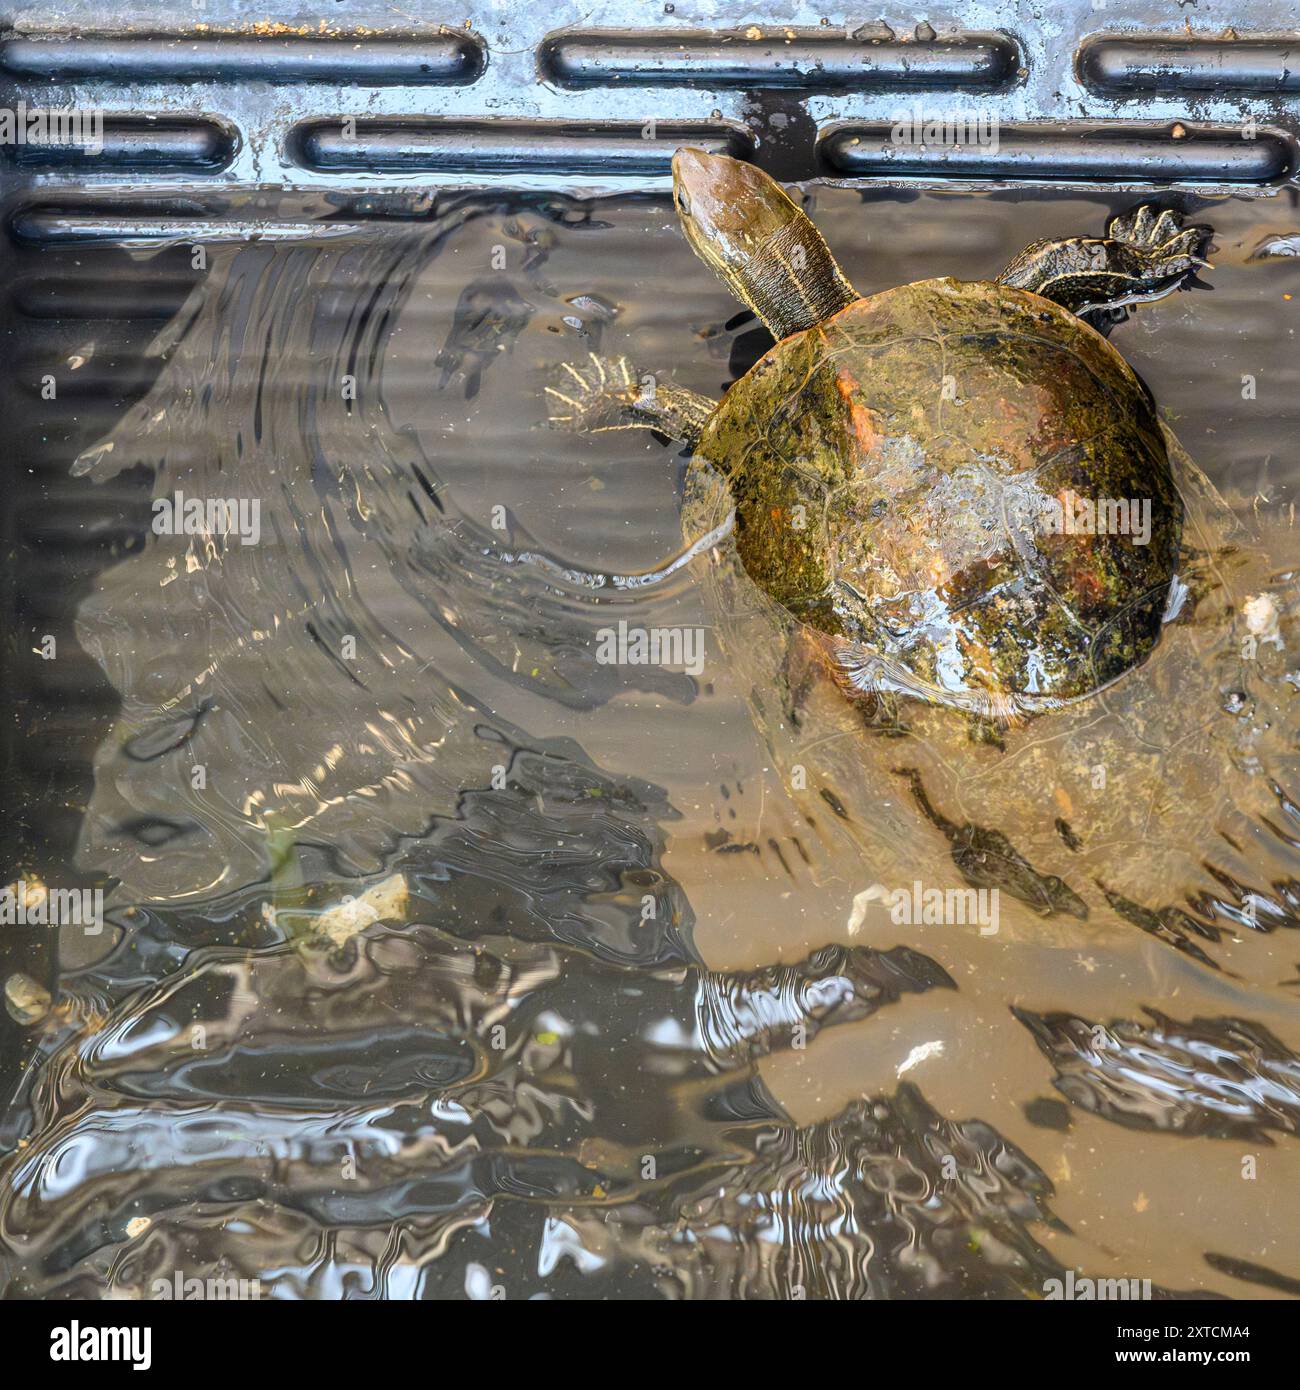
(616, 1008)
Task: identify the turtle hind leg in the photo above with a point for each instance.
(607, 393)
(867, 672)
(1144, 255)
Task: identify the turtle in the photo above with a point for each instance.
(1161, 802)
(960, 489)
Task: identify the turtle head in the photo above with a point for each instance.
(740, 222)
(727, 208)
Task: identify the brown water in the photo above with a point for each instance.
(628, 1025)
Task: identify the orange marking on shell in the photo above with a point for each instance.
(1087, 585)
(862, 420)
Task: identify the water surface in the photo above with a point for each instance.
(636, 1025)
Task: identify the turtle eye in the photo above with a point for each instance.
(683, 202)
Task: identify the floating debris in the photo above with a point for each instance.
(1261, 617)
(922, 1052)
(876, 893)
(384, 902)
(29, 896)
(1279, 247)
(26, 1001)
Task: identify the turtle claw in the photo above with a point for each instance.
(607, 393)
(1160, 241)
(597, 394)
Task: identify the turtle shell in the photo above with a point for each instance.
(1170, 790)
(963, 478)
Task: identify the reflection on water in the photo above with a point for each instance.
(635, 1020)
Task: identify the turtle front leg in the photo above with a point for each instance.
(1144, 255)
(607, 393)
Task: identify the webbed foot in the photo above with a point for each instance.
(607, 393)
(1145, 255)
(1160, 246)
(598, 394)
